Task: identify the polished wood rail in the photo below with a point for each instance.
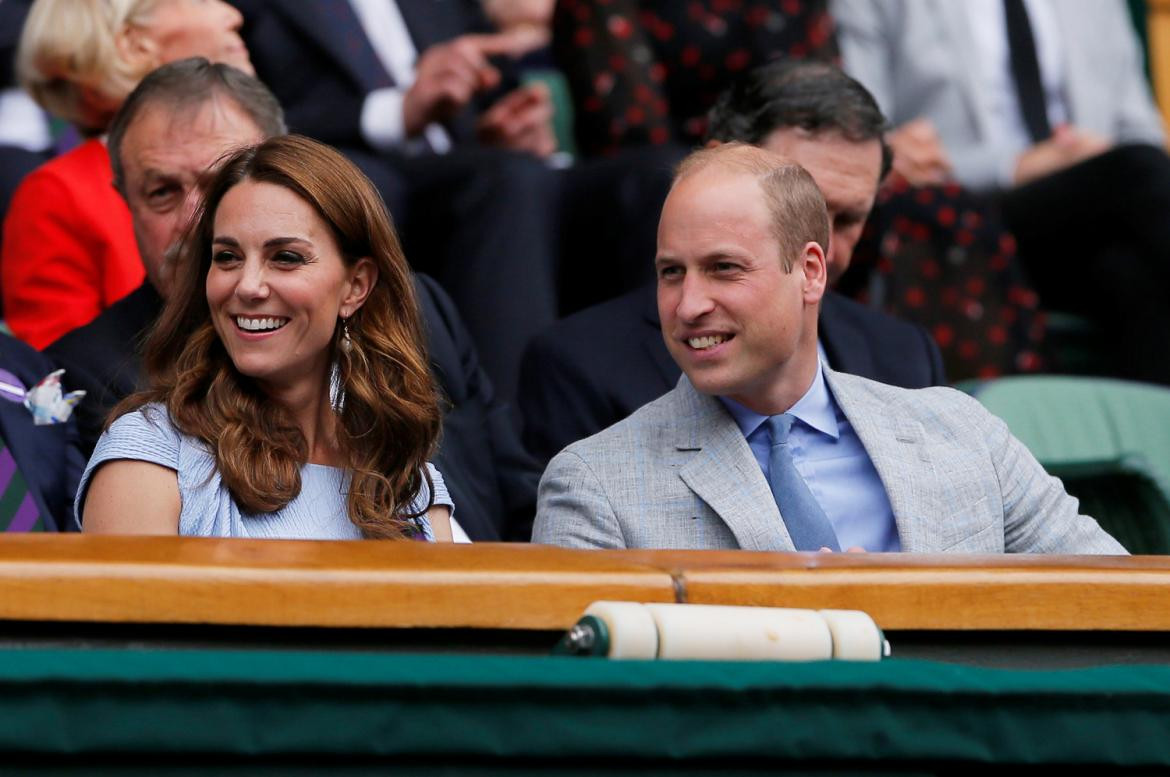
(180, 580)
(303, 583)
(1158, 44)
(937, 592)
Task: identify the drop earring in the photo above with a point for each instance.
(346, 342)
(336, 389)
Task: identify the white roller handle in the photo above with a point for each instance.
(698, 631)
(632, 631)
(855, 636)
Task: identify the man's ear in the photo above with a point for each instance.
(362, 277)
(712, 143)
(811, 263)
(137, 47)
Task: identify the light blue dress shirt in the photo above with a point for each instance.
(833, 462)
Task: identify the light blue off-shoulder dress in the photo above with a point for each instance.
(208, 510)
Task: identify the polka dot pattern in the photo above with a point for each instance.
(646, 72)
(938, 256)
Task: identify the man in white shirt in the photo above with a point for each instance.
(1043, 105)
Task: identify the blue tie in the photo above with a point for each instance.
(807, 523)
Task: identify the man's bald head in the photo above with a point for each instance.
(794, 201)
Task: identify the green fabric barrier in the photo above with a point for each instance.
(317, 704)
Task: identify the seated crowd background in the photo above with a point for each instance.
(531, 278)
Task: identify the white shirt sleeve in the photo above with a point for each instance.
(383, 126)
(458, 536)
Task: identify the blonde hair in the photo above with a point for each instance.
(797, 207)
(70, 59)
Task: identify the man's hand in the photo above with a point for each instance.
(919, 156)
(529, 19)
(448, 75)
(1067, 146)
(521, 121)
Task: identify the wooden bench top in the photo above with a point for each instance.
(186, 580)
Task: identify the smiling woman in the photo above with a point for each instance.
(290, 390)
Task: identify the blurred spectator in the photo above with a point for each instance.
(1044, 103)
(68, 249)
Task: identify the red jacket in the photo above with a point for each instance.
(69, 249)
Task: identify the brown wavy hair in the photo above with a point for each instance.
(390, 421)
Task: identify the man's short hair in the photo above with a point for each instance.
(794, 200)
(812, 96)
(189, 83)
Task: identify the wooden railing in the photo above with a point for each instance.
(1158, 42)
(147, 580)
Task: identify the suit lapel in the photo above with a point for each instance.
(721, 470)
(896, 444)
(428, 22)
(310, 19)
(952, 21)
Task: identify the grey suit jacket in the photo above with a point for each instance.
(678, 473)
(917, 57)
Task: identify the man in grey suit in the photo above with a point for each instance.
(1043, 105)
(761, 447)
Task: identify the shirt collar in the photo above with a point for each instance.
(814, 409)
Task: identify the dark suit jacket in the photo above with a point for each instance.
(49, 457)
(490, 476)
(593, 369)
(12, 16)
(102, 358)
(321, 78)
